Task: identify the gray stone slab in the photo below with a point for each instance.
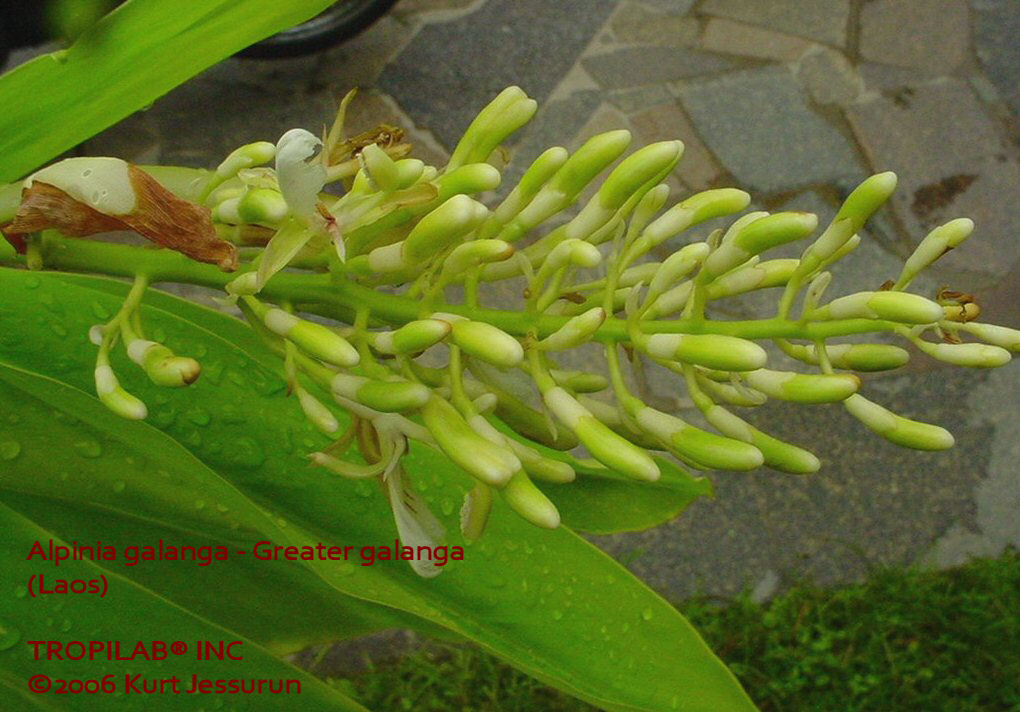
(630, 101)
(729, 37)
(996, 29)
(451, 70)
(822, 20)
(758, 124)
(951, 163)
(633, 23)
(932, 35)
(676, 7)
(634, 66)
(829, 77)
(697, 168)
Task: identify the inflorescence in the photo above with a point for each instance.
(500, 406)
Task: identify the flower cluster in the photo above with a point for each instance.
(404, 236)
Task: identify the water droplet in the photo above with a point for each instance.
(65, 625)
(199, 416)
(222, 508)
(447, 506)
(557, 614)
(237, 378)
(58, 329)
(674, 702)
(647, 614)
(88, 448)
(158, 334)
(9, 449)
(199, 350)
(199, 504)
(281, 522)
(9, 636)
(119, 486)
(20, 592)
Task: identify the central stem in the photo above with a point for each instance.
(322, 294)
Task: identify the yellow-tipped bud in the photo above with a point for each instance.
(384, 396)
(1003, 336)
(777, 454)
(580, 381)
(262, 206)
(894, 306)
(161, 365)
(380, 168)
(412, 337)
(702, 447)
(317, 414)
(487, 342)
(970, 355)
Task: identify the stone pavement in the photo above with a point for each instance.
(794, 100)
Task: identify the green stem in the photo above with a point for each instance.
(321, 294)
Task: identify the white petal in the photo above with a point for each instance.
(416, 525)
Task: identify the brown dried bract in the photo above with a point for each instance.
(159, 216)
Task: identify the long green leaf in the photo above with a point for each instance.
(127, 613)
(547, 602)
(135, 55)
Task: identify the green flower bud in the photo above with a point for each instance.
(528, 501)
(490, 463)
(468, 180)
(579, 381)
(442, 228)
(897, 429)
(706, 448)
(262, 206)
(638, 274)
(7, 251)
(676, 267)
(935, 244)
(384, 396)
(243, 284)
(758, 236)
(854, 357)
(161, 365)
(537, 175)
(314, 339)
(476, 252)
(380, 168)
(771, 273)
(507, 112)
(226, 211)
(607, 447)
(252, 154)
(726, 353)
(727, 391)
(894, 306)
(412, 337)
(116, 398)
(474, 514)
(777, 454)
(804, 388)
(575, 332)
(690, 212)
(409, 171)
(998, 335)
(317, 414)
(970, 355)
(534, 464)
(486, 342)
(865, 200)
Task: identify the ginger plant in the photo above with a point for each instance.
(353, 290)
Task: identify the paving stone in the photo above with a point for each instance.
(451, 70)
(829, 76)
(677, 7)
(996, 28)
(697, 168)
(951, 163)
(634, 66)
(926, 34)
(883, 78)
(429, 7)
(637, 24)
(631, 101)
(759, 126)
(821, 20)
(729, 37)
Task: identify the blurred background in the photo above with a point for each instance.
(793, 100)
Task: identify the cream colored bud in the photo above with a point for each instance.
(802, 387)
(488, 343)
(726, 353)
(116, 398)
(575, 331)
(897, 429)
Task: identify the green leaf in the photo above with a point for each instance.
(547, 602)
(133, 56)
(128, 613)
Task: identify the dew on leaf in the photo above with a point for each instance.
(119, 486)
(647, 614)
(100, 311)
(9, 636)
(59, 329)
(89, 448)
(9, 449)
